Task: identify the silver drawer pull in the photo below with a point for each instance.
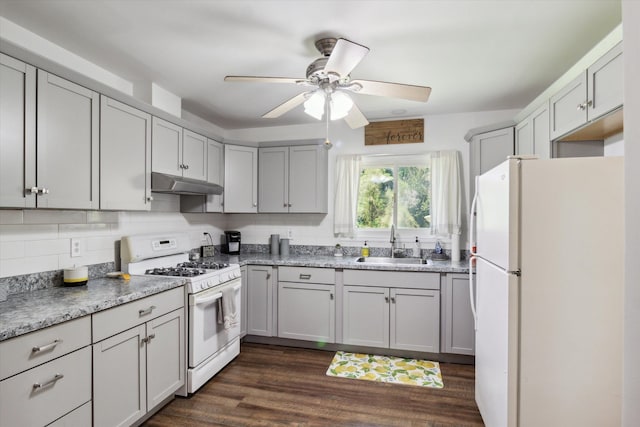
(146, 311)
(148, 339)
(46, 347)
(55, 378)
(305, 276)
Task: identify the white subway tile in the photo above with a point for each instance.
(12, 250)
(47, 247)
(28, 265)
(84, 230)
(100, 243)
(102, 217)
(28, 232)
(92, 257)
(35, 216)
(11, 217)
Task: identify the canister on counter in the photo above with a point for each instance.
(284, 247)
(275, 241)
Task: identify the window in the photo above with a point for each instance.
(394, 191)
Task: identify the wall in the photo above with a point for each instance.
(614, 145)
(442, 132)
(631, 368)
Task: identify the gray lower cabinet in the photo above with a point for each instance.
(260, 300)
(45, 376)
(399, 310)
(125, 157)
(68, 147)
(458, 333)
(136, 369)
(17, 135)
(306, 307)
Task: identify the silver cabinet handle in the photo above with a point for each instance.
(146, 311)
(255, 204)
(44, 190)
(386, 299)
(55, 378)
(181, 166)
(393, 300)
(36, 190)
(46, 347)
(584, 105)
(150, 199)
(148, 339)
(186, 166)
(305, 276)
(331, 295)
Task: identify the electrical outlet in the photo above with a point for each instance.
(289, 234)
(76, 248)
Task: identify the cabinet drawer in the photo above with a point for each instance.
(26, 351)
(77, 417)
(36, 398)
(402, 279)
(307, 275)
(110, 322)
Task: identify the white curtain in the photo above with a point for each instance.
(346, 195)
(446, 197)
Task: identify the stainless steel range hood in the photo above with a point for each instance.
(163, 183)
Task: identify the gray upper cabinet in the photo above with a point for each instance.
(532, 134)
(166, 153)
(125, 157)
(240, 179)
(215, 174)
(17, 133)
(194, 155)
(593, 93)
(68, 148)
(488, 150)
(293, 179)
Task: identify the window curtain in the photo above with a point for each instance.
(446, 194)
(346, 195)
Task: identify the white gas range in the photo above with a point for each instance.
(212, 343)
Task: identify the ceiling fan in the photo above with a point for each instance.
(329, 81)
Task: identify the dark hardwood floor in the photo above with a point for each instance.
(271, 385)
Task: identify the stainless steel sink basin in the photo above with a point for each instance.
(389, 260)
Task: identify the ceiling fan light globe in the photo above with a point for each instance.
(314, 106)
(341, 104)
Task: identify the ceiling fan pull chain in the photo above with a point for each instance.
(327, 102)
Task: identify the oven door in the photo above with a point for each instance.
(206, 335)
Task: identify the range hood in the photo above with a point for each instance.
(163, 183)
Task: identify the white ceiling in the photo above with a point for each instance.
(476, 55)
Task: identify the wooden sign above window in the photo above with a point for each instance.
(394, 132)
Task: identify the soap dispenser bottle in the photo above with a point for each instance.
(365, 250)
(416, 248)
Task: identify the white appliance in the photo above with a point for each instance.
(210, 346)
(547, 298)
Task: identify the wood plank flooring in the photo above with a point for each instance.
(272, 385)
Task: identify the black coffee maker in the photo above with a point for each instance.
(231, 243)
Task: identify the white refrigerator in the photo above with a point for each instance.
(547, 293)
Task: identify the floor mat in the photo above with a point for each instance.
(386, 369)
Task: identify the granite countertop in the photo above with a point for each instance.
(29, 311)
(345, 262)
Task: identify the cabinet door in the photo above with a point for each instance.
(119, 380)
(308, 179)
(165, 356)
(415, 320)
(457, 319)
(524, 137)
(243, 309)
(540, 129)
(194, 155)
(306, 311)
(259, 301)
(125, 157)
(17, 133)
(67, 134)
(215, 173)
(606, 83)
(240, 179)
(566, 112)
(273, 179)
(166, 149)
(489, 150)
(365, 316)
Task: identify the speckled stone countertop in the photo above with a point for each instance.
(29, 311)
(345, 262)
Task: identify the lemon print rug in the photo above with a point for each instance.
(386, 369)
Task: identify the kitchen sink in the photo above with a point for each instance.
(389, 260)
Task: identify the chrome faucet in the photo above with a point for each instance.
(392, 240)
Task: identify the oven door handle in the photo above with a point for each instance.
(207, 300)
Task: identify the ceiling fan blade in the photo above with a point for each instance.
(263, 79)
(344, 57)
(286, 106)
(355, 119)
(393, 90)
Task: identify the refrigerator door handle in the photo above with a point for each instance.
(472, 221)
(472, 299)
